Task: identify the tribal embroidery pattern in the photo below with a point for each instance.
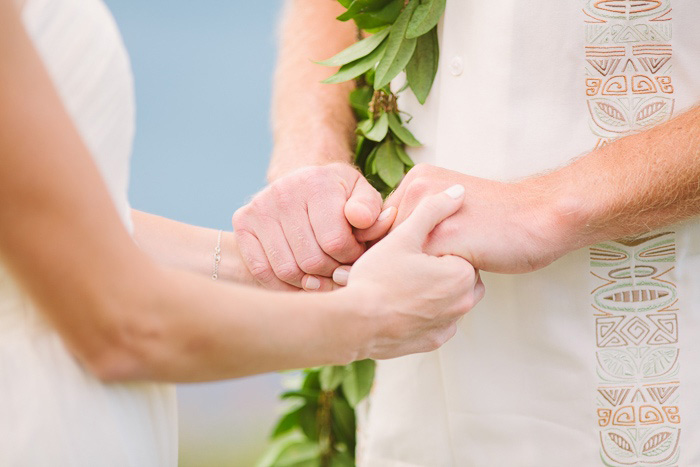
(629, 88)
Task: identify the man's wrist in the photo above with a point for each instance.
(567, 213)
(290, 156)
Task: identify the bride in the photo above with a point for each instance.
(91, 328)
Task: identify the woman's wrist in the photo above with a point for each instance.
(232, 268)
(358, 323)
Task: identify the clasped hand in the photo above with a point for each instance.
(303, 227)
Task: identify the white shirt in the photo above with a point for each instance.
(583, 362)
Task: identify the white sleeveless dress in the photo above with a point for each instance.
(52, 411)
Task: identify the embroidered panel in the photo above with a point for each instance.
(628, 86)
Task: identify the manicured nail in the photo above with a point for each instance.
(455, 191)
(340, 276)
(312, 283)
(385, 214)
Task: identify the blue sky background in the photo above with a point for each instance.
(203, 73)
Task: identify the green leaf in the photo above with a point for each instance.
(342, 459)
(373, 21)
(359, 375)
(365, 126)
(398, 50)
(404, 157)
(370, 167)
(308, 421)
(307, 394)
(286, 423)
(401, 132)
(311, 381)
(345, 3)
(359, 66)
(331, 377)
(389, 167)
(299, 454)
(277, 446)
(359, 100)
(421, 70)
(357, 50)
(343, 421)
(359, 6)
(379, 129)
(425, 18)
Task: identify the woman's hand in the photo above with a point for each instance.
(417, 299)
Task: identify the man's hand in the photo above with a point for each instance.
(299, 229)
(501, 227)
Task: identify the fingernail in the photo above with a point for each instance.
(455, 191)
(312, 283)
(385, 214)
(340, 276)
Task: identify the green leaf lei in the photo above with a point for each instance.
(318, 429)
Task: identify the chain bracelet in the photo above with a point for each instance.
(217, 257)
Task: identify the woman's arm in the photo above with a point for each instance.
(190, 248)
(125, 317)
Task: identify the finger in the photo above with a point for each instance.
(341, 275)
(279, 254)
(313, 283)
(479, 288)
(380, 228)
(308, 255)
(429, 213)
(332, 231)
(363, 206)
(256, 261)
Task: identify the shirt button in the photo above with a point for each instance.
(456, 66)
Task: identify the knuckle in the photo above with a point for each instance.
(417, 189)
(261, 271)
(314, 264)
(420, 170)
(238, 220)
(283, 195)
(436, 340)
(446, 229)
(468, 303)
(334, 243)
(288, 272)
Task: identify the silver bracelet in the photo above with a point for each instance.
(217, 257)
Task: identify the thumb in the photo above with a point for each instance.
(364, 204)
(429, 213)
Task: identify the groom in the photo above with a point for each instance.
(592, 356)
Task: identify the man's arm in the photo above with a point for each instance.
(636, 184)
(312, 122)
(299, 229)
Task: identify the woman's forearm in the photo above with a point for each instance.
(122, 315)
(188, 247)
(196, 330)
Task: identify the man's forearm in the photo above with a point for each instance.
(190, 248)
(636, 184)
(312, 121)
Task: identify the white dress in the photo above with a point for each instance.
(595, 359)
(52, 411)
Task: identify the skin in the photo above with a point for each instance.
(302, 225)
(650, 178)
(634, 185)
(126, 317)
